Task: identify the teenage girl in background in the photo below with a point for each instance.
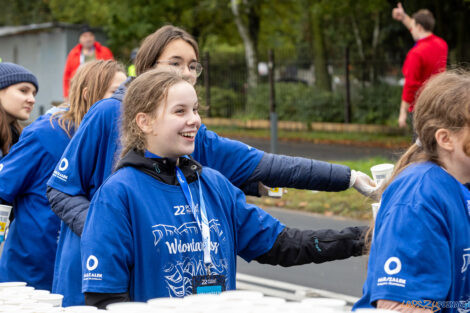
(420, 252)
(30, 248)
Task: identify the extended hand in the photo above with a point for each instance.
(398, 13)
(364, 184)
(402, 120)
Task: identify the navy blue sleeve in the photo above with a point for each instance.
(301, 173)
(70, 209)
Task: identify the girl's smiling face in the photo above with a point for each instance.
(172, 130)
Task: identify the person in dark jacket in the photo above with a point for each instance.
(198, 226)
(91, 157)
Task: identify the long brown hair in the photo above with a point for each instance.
(443, 102)
(144, 95)
(6, 137)
(154, 44)
(96, 76)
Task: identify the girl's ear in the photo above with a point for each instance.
(445, 139)
(145, 122)
(85, 93)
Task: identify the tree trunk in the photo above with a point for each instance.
(248, 42)
(322, 77)
(375, 44)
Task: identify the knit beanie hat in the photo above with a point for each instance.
(11, 74)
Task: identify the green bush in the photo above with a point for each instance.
(224, 101)
(377, 104)
(296, 102)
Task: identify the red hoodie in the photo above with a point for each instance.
(426, 58)
(73, 62)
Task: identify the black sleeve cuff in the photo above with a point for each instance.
(101, 300)
(297, 247)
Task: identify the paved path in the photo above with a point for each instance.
(345, 276)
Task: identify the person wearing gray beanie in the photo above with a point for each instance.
(18, 88)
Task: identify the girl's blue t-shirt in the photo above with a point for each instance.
(421, 245)
(89, 159)
(30, 248)
(150, 244)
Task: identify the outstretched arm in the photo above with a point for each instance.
(301, 173)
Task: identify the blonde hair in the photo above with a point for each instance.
(443, 102)
(96, 76)
(144, 95)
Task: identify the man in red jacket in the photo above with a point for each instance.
(87, 50)
(426, 58)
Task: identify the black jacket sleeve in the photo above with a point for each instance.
(251, 189)
(294, 172)
(101, 300)
(297, 247)
(71, 209)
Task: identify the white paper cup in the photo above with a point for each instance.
(164, 303)
(9, 308)
(269, 301)
(275, 192)
(81, 308)
(375, 209)
(129, 307)
(247, 295)
(36, 306)
(54, 298)
(336, 304)
(4, 219)
(12, 284)
(382, 172)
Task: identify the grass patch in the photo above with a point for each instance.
(350, 138)
(349, 203)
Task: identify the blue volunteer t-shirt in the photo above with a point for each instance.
(90, 157)
(421, 245)
(150, 243)
(30, 248)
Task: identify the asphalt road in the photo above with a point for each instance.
(344, 276)
(325, 152)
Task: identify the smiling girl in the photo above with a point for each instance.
(167, 226)
(93, 151)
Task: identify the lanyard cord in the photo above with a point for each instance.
(202, 221)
